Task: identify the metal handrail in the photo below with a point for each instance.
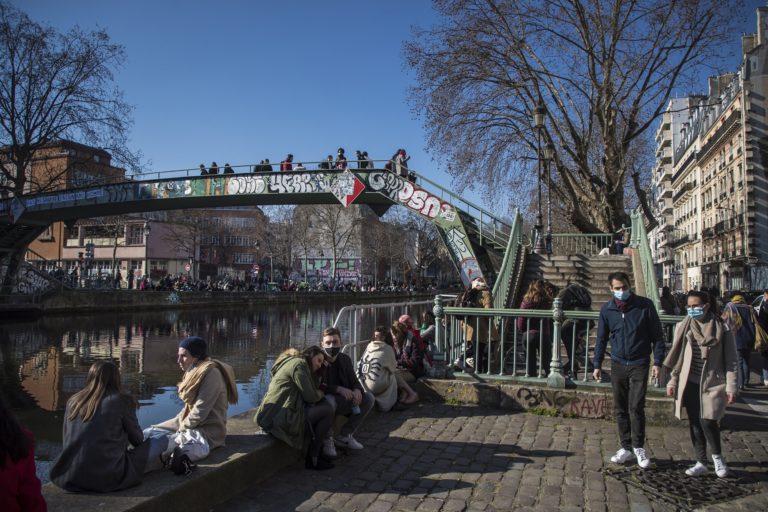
(501, 288)
(640, 241)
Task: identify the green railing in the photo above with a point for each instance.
(590, 244)
(640, 242)
(504, 285)
(514, 353)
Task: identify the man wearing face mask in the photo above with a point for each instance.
(634, 329)
(344, 392)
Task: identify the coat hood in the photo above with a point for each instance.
(283, 358)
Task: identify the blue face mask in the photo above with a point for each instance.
(622, 295)
(696, 312)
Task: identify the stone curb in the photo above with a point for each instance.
(246, 459)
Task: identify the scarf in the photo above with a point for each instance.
(621, 304)
(193, 379)
(706, 334)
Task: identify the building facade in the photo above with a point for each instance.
(715, 235)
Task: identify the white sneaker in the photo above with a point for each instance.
(349, 442)
(621, 456)
(696, 470)
(721, 470)
(642, 459)
(329, 450)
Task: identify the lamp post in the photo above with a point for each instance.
(146, 231)
(538, 121)
(549, 154)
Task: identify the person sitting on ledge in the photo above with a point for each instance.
(294, 407)
(344, 392)
(377, 371)
(99, 426)
(19, 485)
(201, 425)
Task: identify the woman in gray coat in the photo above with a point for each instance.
(703, 363)
(99, 425)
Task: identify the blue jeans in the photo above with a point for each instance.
(743, 360)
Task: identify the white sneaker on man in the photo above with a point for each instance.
(621, 456)
(329, 450)
(642, 459)
(349, 442)
(697, 469)
(721, 470)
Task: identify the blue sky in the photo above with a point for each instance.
(238, 81)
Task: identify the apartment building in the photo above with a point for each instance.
(715, 235)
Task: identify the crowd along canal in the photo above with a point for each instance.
(45, 361)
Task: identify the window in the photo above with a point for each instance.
(134, 234)
(243, 258)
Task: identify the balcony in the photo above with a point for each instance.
(678, 241)
(708, 233)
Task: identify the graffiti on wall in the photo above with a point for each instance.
(580, 405)
(30, 281)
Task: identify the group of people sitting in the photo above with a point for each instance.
(106, 450)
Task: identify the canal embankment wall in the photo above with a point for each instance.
(93, 301)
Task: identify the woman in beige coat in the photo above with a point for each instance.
(703, 363)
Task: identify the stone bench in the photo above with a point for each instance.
(227, 471)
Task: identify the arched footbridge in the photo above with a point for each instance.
(479, 242)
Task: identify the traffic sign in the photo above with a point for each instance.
(187, 267)
(256, 267)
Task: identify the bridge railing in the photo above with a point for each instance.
(517, 352)
(567, 244)
(640, 241)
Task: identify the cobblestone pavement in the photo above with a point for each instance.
(439, 457)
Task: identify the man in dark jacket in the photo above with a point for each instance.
(634, 329)
(344, 392)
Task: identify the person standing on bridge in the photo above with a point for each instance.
(703, 361)
(203, 170)
(228, 169)
(287, 164)
(214, 169)
(341, 160)
(634, 329)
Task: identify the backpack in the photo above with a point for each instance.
(576, 296)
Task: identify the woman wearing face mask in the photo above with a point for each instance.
(703, 363)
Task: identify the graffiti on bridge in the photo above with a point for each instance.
(30, 282)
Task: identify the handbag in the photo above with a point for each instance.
(761, 336)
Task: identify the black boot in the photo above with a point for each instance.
(317, 463)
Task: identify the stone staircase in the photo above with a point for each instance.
(591, 272)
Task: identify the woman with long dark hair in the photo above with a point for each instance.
(19, 486)
(293, 409)
(703, 361)
(100, 425)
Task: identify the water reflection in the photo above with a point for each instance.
(43, 363)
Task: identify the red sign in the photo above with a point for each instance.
(347, 187)
(187, 267)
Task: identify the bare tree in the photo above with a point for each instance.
(336, 228)
(603, 69)
(303, 236)
(56, 86)
(425, 243)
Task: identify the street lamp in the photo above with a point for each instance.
(538, 121)
(549, 154)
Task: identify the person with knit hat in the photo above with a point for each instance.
(737, 315)
(206, 388)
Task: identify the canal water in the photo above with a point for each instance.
(44, 362)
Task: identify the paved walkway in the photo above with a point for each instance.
(452, 458)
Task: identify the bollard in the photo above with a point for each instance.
(556, 379)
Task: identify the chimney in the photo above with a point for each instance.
(714, 86)
(762, 24)
(748, 43)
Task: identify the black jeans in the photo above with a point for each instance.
(532, 344)
(343, 407)
(629, 385)
(318, 418)
(702, 431)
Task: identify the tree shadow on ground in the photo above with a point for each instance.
(470, 455)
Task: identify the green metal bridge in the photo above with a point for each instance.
(479, 242)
